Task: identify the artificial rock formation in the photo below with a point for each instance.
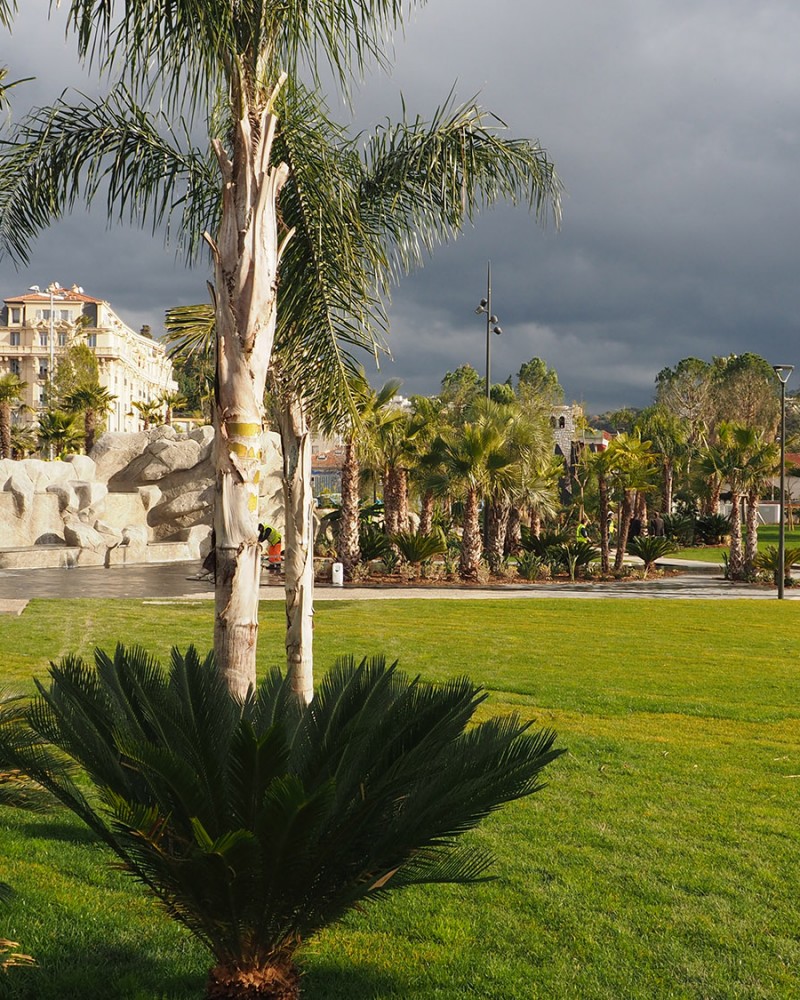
(144, 497)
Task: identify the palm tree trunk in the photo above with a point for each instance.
(624, 525)
(751, 545)
(605, 553)
(498, 524)
(714, 487)
(348, 546)
(470, 538)
(735, 559)
(426, 513)
(298, 547)
(246, 258)
(5, 430)
(513, 541)
(391, 510)
(667, 487)
(89, 429)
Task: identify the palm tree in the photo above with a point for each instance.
(374, 412)
(475, 462)
(94, 401)
(243, 60)
(256, 823)
(149, 411)
(11, 389)
(633, 466)
(59, 433)
(728, 461)
(762, 463)
(171, 401)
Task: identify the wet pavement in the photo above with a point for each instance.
(178, 581)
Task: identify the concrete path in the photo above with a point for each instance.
(177, 581)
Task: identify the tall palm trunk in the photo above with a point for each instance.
(624, 527)
(246, 257)
(668, 476)
(751, 544)
(498, 512)
(298, 546)
(513, 542)
(348, 546)
(89, 429)
(735, 558)
(605, 546)
(426, 513)
(470, 537)
(5, 430)
(395, 499)
(714, 487)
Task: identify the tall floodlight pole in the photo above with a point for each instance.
(491, 327)
(784, 373)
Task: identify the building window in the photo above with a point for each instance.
(15, 367)
(42, 369)
(15, 338)
(65, 315)
(16, 314)
(91, 339)
(562, 422)
(62, 340)
(44, 339)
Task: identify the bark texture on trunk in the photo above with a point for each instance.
(513, 541)
(735, 558)
(498, 512)
(246, 256)
(276, 982)
(348, 545)
(89, 430)
(751, 543)
(471, 538)
(5, 430)
(624, 526)
(395, 499)
(426, 513)
(298, 547)
(605, 546)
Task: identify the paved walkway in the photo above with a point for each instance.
(177, 581)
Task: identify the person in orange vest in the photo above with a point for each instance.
(272, 537)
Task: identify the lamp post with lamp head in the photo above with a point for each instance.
(784, 373)
(485, 306)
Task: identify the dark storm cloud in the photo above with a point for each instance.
(675, 130)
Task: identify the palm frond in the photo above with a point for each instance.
(113, 148)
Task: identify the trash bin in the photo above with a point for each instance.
(337, 575)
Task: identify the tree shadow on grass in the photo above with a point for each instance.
(357, 982)
(66, 833)
(103, 971)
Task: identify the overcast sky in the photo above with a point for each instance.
(674, 127)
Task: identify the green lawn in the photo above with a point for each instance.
(658, 863)
(767, 535)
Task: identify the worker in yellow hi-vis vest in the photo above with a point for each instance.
(272, 538)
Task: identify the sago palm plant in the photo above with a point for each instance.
(255, 823)
(650, 548)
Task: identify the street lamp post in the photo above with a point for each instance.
(491, 327)
(784, 373)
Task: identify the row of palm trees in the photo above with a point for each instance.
(493, 454)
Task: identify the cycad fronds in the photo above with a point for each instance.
(256, 823)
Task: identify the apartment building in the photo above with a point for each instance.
(35, 328)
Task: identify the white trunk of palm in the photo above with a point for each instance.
(298, 547)
(246, 257)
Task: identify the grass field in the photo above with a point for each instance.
(660, 861)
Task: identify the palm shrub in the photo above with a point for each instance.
(575, 555)
(419, 547)
(256, 823)
(530, 566)
(680, 527)
(649, 548)
(769, 561)
(373, 541)
(712, 529)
